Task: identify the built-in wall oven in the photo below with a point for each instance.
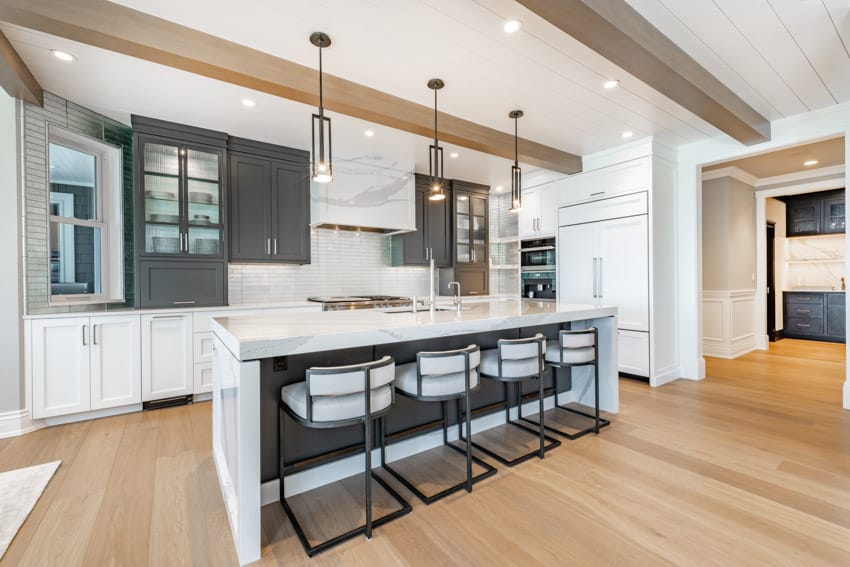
(538, 268)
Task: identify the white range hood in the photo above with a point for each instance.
(367, 193)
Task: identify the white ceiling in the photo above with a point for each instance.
(783, 57)
(827, 153)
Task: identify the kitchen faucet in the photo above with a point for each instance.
(456, 298)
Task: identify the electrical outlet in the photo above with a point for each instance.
(279, 364)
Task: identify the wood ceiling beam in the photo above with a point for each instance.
(116, 28)
(15, 76)
(619, 33)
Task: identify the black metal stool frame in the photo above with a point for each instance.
(366, 420)
(598, 422)
(552, 442)
(463, 396)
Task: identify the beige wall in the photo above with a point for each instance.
(11, 356)
(728, 237)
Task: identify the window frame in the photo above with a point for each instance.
(109, 215)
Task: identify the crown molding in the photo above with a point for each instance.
(733, 172)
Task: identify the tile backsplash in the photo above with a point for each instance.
(343, 262)
(816, 261)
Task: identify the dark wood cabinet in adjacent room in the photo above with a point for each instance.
(269, 203)
(815, 213)
(814, 315)
(433, 235)
(180, 206)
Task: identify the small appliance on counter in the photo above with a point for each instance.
(538, 268)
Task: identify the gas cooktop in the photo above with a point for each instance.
(339, 303)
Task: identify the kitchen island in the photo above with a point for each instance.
(254, 356)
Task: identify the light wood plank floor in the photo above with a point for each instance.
(749, 467)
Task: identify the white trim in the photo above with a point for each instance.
(93, 414)
(17, 422)
(724, 343)
(733, 172)
(831, 171)
(811, 187)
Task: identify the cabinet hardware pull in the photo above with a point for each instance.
(167, 316)
(94, 334)
(597, 193)
(268, 246)
(601, 285)
(85, 332)
(804, 310)
(275, 246)
(184, 302)
(802, 325)
(472, 292)
(594, 278)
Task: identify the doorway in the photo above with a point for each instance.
(771, 281)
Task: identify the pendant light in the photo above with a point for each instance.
(516, 172)
(435, 152)
(322, 166)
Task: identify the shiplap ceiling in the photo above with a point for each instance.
(783, 57)
(827, 153)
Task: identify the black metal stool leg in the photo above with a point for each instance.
(540, 398)
(367, 429)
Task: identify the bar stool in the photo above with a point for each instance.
(573, 349)
(333, 397)
(440, 377)
(512, 362)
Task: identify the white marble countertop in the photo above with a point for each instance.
(98, 311)
(252, 338)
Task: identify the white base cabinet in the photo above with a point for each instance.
(167, 356)
(84, 363)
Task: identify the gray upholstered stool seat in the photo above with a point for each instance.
(517, 360)
(341, 396)
(439, 377)
(334, 408)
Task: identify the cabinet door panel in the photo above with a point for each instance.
(835, 316)
(832, 221)
(633, 352)
(291, 205)
(547, 210)
(167, 365)
(528, 214)
(60, 366)
(474, 280)
(250, 208)
(413, 243)
(624, 270)
(167, 283)
(576, 254)
(203, 378)
(116, 374)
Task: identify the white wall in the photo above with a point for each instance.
(11, 355)
(729, 238)
(817, 125)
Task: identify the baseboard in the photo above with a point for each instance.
(736, 348)
(94, 414)
(337, 470)
(664, 376)
(17, 422)
(847, 395)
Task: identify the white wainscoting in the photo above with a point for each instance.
(728, 323)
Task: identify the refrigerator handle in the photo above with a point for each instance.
(600, 278)
(594, 278)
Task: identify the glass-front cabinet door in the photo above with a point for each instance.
(833, 215)
(182, 200)
(470, 228)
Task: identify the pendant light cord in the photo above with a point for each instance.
(516, 141)
(436, 142)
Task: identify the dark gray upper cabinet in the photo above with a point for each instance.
(815, 213)
(269, 203)
(471, 223)
(433, 235)
(180, 211)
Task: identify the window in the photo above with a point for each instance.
(86, 241)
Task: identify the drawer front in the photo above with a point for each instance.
(804, 298)
(804, 326)
(633, 351)
(203, 319)
(804, 311)
(182, 284)
(202, 351)
(203, 378)
(618, 207)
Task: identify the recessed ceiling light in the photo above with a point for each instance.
(63, 55)
(499, 188)
(628, 134)
(248, 102)
(512, 26)
(454, 155)
(811, 162)
(610, 84)
(368, 133)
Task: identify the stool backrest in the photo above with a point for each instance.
(521, 357)
(351, 379)
(581, 338)
(578, 347)
(448, 361)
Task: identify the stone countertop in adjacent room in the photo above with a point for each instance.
(813, 290)
(253, 338)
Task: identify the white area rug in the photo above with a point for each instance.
(20, 489)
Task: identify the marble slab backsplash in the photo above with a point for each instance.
(815, 262)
